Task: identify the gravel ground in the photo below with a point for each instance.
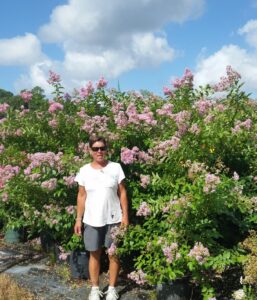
(33, 271)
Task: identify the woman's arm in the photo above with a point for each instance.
(81, 199)
(123, 202)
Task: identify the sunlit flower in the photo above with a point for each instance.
(144, 210)
(26, 96)
(138, 276)
(199, 252)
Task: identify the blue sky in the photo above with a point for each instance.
(142, 44)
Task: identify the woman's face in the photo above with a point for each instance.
(98, 151)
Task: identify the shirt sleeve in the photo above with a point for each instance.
(121, 175)
(79, 178)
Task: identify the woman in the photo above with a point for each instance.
(101, 204)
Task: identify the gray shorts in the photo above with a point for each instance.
(97, 237)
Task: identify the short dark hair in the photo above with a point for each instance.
(94, 139)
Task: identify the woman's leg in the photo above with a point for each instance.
(94, 266)
(114, 268)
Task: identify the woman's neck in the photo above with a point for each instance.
(99, 165)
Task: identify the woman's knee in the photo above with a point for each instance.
(113, 258)
(96, 254)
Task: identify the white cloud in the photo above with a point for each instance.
(151, 50)
(109, 38)
(89, 66)
(250, 31)
(210, 69)
(37, 75)
(21, 50)
(95, 23)
(113, 62)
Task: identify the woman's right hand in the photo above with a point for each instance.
(77, 227)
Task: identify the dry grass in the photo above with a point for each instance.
(9, 290)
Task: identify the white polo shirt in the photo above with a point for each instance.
(102, 202)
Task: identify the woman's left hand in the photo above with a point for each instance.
(124, 221)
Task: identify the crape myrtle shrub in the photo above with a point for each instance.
(190, 163)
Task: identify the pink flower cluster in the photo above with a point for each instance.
(132, 114)
(253, 201)
(182, 121)
(220, 107)
(86, 91)
(40, 158)
(199, 252)
(194, 129)
(165, 146)
(166, 110)
(49, 184)
(171, 252)
(177, 206)
(4, 107)
(101, 83)
(55, 106)
(147, 117)
(186, 80)
(70, 209)
(121, 119)
(49, 214)
(6, 173)
(138, 276)
(182, 116)
(235, 176)
(195, 168)
(203, 106)
(63, 254)
(69, 181)
(112, 249)
(145, 180)
(211, 181)
(209, 118)
(144, 210)
(96, 124)
(34, 176)
(228, 81)
(5, 197)
(117, 233)
(83, 147)
(167, 91)
(82, 113)
(26, 96)
(129, 156)
(18, 132)
(247, 124)
(53, 123)
(168, 206)
(53, 78)
(1, 148)
(116, 107)
(24, 111)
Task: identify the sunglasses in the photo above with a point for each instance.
(96, 149)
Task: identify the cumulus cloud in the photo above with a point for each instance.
(109, 38)
(20, 50)
(94, 23)
(250, 32)
(117, 37)
(210, 69)
(113, 62)
(37, 75)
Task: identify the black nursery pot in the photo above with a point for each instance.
(174, 290)
(79, 261)
(47, 242)
(12, 236)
